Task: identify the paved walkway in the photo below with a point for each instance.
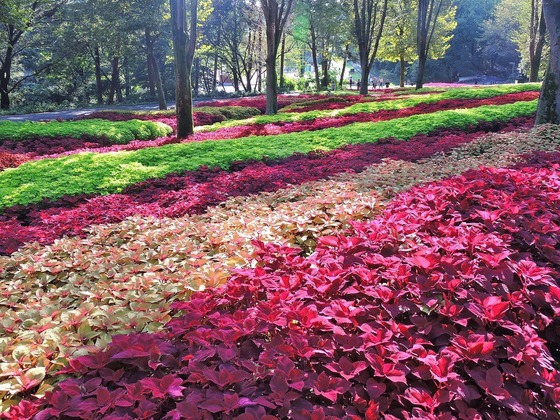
(73, 113)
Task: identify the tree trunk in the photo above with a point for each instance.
(422, 58)
(428, 13)
(282, 58)
(276, 15)
(313, 47)
(6, 67)
(183, 49)
(216, 56)
(364, 80)
(271, 82)
(344, 61)
(259, 66)
(159, 85)
(536, 49)
(126, 81)
(369, 20)
(115, 84)
(402, 70)
(549, 102)
(325, 69)
(98, 82)
(149, 61)
(5, 75)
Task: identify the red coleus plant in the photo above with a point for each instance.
(406, 316)
(193, 192)
(10, 160)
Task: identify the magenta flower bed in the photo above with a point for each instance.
(193, 192)
(444, 307)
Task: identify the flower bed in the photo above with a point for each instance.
(53, 148)
(74, 290)
(281, 127)
(440, 307)
(102, 174)
(202, 115)
(175, 196)
(258, 102)
(113, 132)
(394, 103)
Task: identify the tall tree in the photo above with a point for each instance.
(399, 40)
(465, 54)
(549, 102)
(429, 20)
(184, 44)
(324, 21)
(369, 19)
(19, 19)
(537, 34)
(521, 24)
(276, 13)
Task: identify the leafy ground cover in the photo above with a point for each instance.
(52, 148)
(259, 101)
(425, 305)
(406, 319)
(202, 115)
(370, 105)
(114, 133)
(89, 173)
(194, 192)
(80, 291)
(320, 123)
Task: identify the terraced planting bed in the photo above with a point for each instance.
(364, 257)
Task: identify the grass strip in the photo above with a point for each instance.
(120, 132)
(108, 173)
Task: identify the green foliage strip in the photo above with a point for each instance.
(120, 132)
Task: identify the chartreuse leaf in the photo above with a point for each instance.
(111, 172)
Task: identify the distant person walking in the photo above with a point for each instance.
(351, 82)
(358, 84)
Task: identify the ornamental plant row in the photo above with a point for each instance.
(38, 148)
(73, 296)
(375, 106)
(195, 191)
(113, 132)
(202, 115)
(439, 308)
(102, 174)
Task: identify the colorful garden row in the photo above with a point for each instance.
(78, 292)
(202, 115)
(23, 151)
(370, 105)
(102, 174)
(439, 308)
(112, 132)
(71, 297)
(193, 192)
